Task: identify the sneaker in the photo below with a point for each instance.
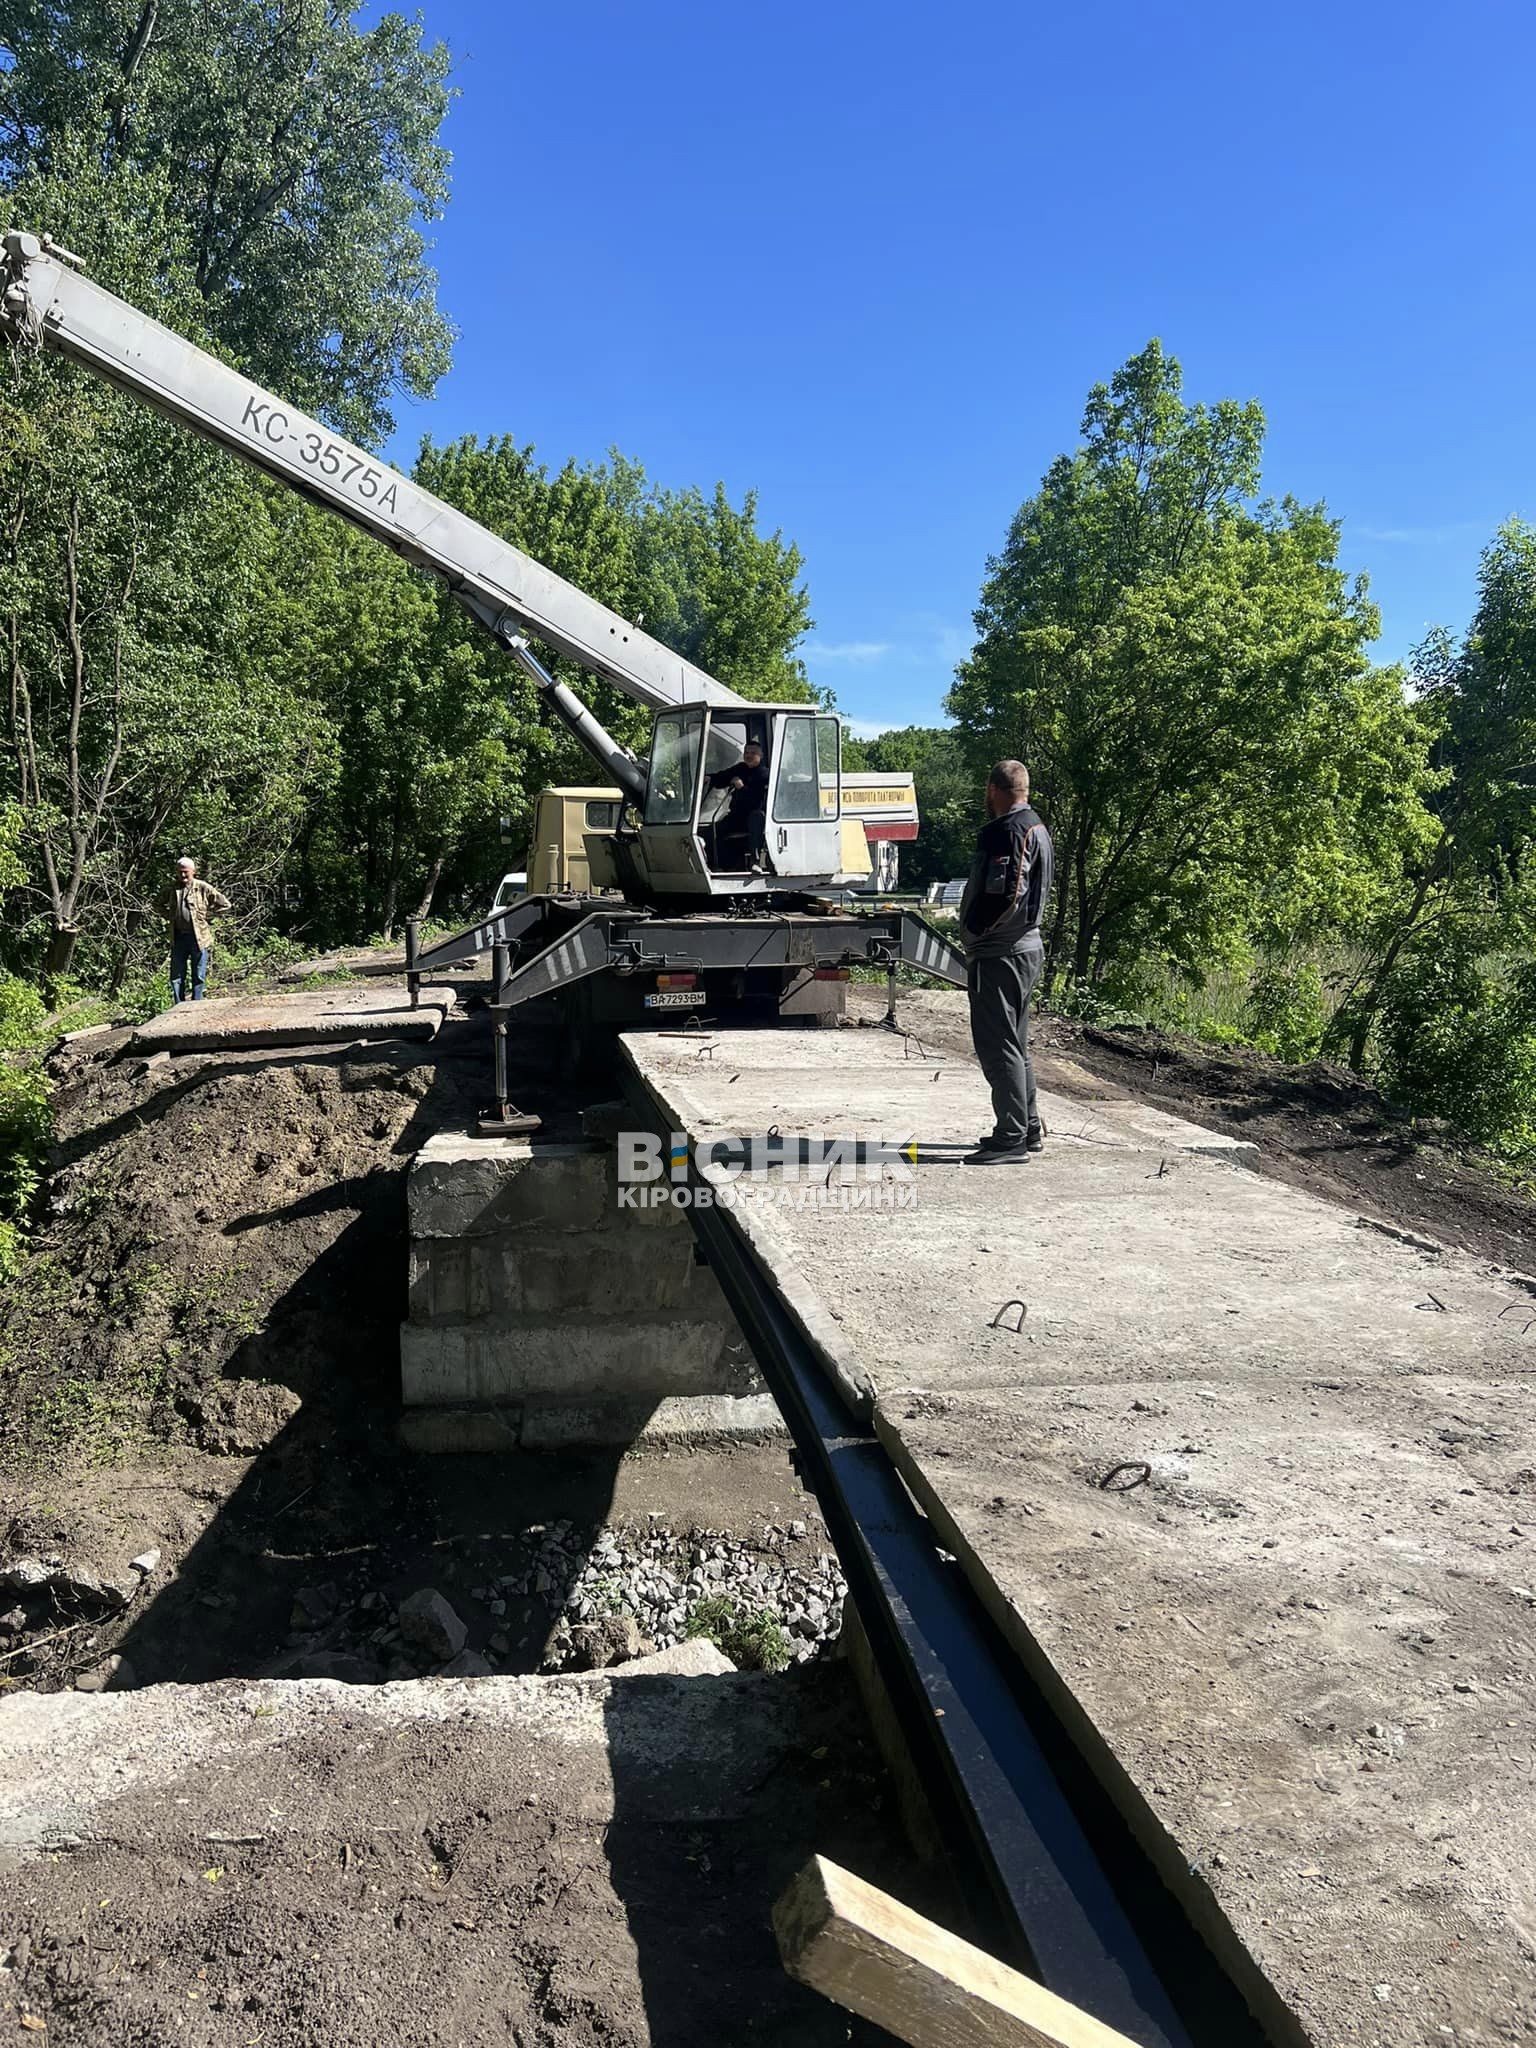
(1035, 1136)
(1015, 1154)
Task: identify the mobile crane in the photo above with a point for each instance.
(684, 932)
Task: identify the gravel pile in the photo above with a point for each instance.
(657, 1578)
(566, 1597)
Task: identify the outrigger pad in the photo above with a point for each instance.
(507, 1124)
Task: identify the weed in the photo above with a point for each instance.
(752, 1639)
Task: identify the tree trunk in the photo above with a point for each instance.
(133, 57)
(1059, 914)
(60, 956)
(1082, 950)
(1365, 1013)
(434, 876)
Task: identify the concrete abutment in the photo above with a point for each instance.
(544, 1314)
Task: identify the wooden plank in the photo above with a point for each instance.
(868, 1952)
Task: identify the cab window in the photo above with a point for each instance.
(807, 789)
(674, 770)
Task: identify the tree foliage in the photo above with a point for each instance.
(949, 796)
(134, 711)
(295, 154)
(1186, 675)
(1461, 918)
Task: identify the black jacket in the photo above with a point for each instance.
(1009, 884)
(752, 795)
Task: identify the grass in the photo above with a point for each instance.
(751, 1638)
(102, 1420)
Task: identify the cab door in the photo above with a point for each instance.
(805, 804)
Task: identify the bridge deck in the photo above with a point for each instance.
(1308, 1639)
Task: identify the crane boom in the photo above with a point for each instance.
(47, 303)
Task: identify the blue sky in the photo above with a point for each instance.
(868, 260)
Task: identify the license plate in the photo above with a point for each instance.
(676, 999)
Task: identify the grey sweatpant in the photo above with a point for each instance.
(1000, 988)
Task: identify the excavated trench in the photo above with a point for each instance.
(557, 1850)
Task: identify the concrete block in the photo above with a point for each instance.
(448, 1278)
(570, 1425)
(604, 1120)
(475, 1187)
(703, 1295)
(498, 1359)
(612, 1274)
(479, 1431)
(663, 1217)
(735, 1368)
(553, 1273)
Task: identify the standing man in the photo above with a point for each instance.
(739, 834)
(1000, 917)
(190, 907)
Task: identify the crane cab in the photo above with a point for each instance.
(701, 837)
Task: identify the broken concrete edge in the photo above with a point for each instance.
(1160, 1127)
(1171, 1861)
(491, 1429)
(155, 1736)
(1508, 1276)
(759, 1233)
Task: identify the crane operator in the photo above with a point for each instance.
(739, 835)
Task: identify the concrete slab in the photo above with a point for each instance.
(371, 960)
(857, 1082)
(1302, 1642)
(71, 1760)
(305, 1017)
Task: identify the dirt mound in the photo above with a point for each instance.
(223, 1241)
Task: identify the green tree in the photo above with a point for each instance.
(1186, 678)
(950, 804)
(133, 707)
(255, 176)
(296, 154)
(710, 586)
(1468, 886)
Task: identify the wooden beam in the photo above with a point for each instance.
(868, 1952)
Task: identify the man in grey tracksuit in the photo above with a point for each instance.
(1000, 917)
